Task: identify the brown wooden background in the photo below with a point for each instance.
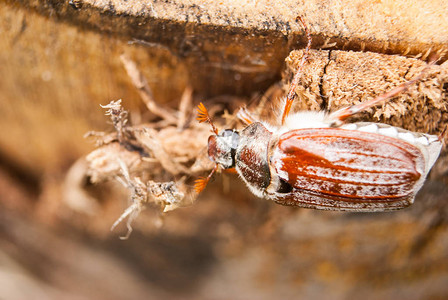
(59, 60)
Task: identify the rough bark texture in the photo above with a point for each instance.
(334, 79)
(60, 59)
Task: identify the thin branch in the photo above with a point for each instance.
(185, 108)
(144, 90)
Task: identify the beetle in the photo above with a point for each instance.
(315, 160)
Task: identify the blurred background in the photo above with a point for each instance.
(59, 60)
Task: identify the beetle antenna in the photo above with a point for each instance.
(201, 183)
(295, 80)
(203, 116)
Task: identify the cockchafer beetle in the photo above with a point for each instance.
(314, 160)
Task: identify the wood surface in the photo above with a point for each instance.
(59, 60)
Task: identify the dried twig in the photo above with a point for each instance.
(150, 140)
(164, 194)
(185, 108)
(119, 118)
(144, 90)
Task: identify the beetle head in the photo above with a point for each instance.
(222, 148)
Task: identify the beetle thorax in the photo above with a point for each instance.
(222, 148)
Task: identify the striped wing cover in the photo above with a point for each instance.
(334, 168)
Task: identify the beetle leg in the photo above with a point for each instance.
(245, 116)
(343, 113)
(295, 80)
(443, 134)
